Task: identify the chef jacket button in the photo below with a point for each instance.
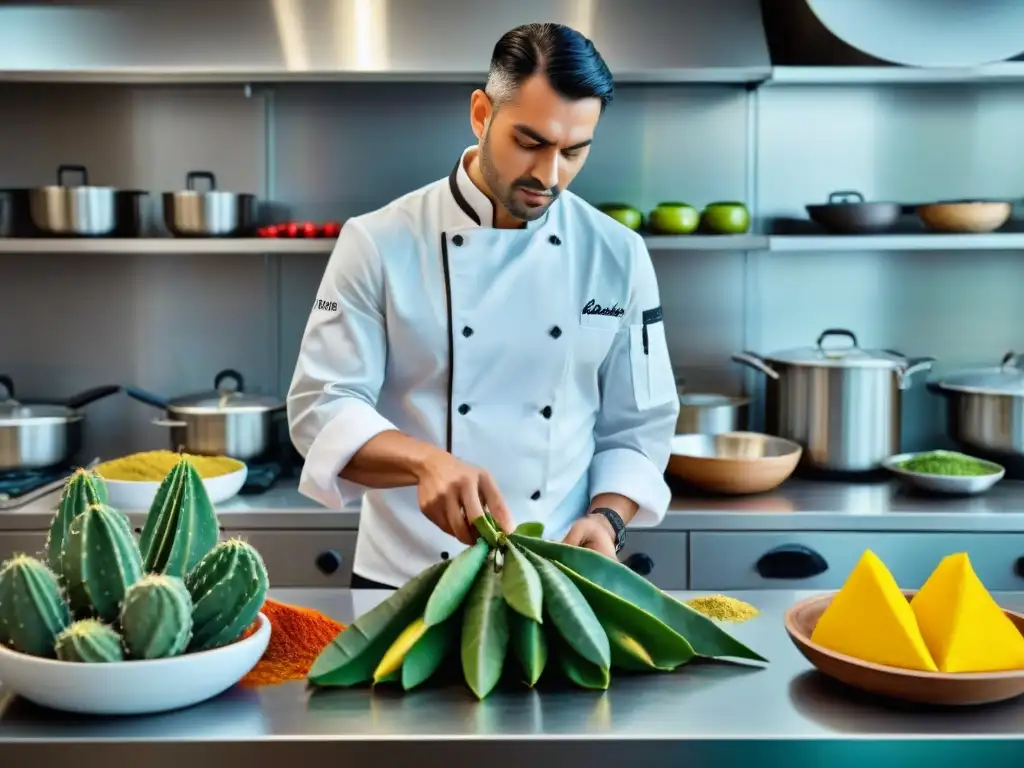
(463, 409)
(535, 495)
(554, 240)
(555, 332)
(458, 240)
(467, 331)
(444, 555)
(546, 412)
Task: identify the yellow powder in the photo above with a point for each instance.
(153, 466)
(723, 608)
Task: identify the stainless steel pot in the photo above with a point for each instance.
(73, 210)
(986, 407)
(42, 435)
(224, 422)
(190, 213)
(711, 414)
(842, 405)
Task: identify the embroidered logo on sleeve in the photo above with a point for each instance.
(324, 305)
(593, 308)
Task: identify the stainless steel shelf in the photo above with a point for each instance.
(706, 242)
(1003, 72)
(996, 241)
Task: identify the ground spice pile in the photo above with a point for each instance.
(723, 608)
(297, 636)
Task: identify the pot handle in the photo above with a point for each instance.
(64, 169)
(8, 384)
(837, 332)
(168, 423)
(229, 373)
(91, 395)
(191, 176)
(145, 397)
(845, 197)
(753, 360)
(1010, 359)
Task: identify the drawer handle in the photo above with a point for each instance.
(1019, 567)
(791, 561)
(328, 562)
(639, 563)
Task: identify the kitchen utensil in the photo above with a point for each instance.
(66, 211)
(904, 684)
(848, 213)
(725, 218)
(133, 687)
(965, 215)
(214, 213)
(42, 434)
(224, 422)
(842, 405)
(733, 462)
(138, 495)
(956, 485)
(626, 215)
(673, 219)
(7, 503)
(711, 414)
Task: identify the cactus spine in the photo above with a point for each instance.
(32, 609)
(89, 641)
(156, 617)
(82, 489)
(181, 526)
(100, 562)
(228, 588)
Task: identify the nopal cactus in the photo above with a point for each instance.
(89, 641)
(228, 588)
(100, 561)
(156, 617)
(181, 526)
(32, 608)
(82, 489)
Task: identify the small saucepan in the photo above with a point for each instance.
(41, 434)
(223, 422)
(213, 213)
(847, 213)
(83, 210)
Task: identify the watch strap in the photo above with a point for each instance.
(616, 522)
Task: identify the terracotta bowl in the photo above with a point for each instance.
(967, 216)
(904, 684)
(733, 462)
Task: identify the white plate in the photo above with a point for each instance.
(132, 687)
(959, 485)
(133, 495)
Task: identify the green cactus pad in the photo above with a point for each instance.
(91, 642)
(100, 561)
(82, 489)
(228, 588)
(32, 608)
(181, 526)
(156, 617)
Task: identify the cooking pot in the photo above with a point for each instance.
(711, 414)
(67, 211)
(43, 434)
(842, 405)
(847, 213)
(190, 213)
(224, 422)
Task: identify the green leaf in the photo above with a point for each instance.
(571, 614)
(535, 530)
(487, 530)
(529, 646)
(426, 655)
(706, 637)
(580, 671)
(354, 653)
(485, 633)
(454, 584)
(521, 585)
(636, 636)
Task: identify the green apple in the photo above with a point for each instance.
(626, 215)
(674, 219)
(726, 218)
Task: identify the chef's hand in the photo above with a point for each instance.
(452, 494)
(593, 532)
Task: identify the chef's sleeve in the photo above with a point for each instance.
(639, 402)
(333, 395)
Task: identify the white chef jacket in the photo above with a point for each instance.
(538, 354)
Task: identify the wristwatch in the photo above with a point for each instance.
(617, 525)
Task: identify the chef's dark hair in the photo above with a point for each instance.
(570, 61)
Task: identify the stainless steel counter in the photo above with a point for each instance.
(796, 506)
(699, 714)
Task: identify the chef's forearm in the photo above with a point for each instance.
(625, 507)
(390, 459)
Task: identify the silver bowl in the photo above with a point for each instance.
(958, 485)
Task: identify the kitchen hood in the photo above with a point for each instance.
(256, 41)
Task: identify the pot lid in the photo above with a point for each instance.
(839, 355)
(1007, 378)
(13, 413)
(224, 400)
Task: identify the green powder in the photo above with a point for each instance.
(948, 463)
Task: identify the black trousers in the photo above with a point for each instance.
(358, 582)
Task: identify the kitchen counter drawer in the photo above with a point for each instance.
(22, 543)
(659, 556)
(304, 558)
(730, 561)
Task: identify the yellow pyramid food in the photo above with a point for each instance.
(964, 628)
(871, 620)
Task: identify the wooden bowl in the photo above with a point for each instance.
(733, 462)
(905, 684)
(967, 216)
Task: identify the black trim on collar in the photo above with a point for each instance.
(453, 184)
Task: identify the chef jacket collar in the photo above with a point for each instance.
(474, 203)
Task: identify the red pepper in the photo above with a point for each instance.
(291, 229)
(330, 229)
(309, 229)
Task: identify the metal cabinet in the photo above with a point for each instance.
(307, 558)
(733, 561)
(660, 556)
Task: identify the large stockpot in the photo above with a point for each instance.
(84, 210)
(214, 213)
(41, 435)
(224, 422)
(843, 405)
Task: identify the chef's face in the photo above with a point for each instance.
(533, 145)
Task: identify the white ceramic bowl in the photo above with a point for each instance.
(134, 495)
(132, 687)
(958, 485)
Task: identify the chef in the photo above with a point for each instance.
(490, 341)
